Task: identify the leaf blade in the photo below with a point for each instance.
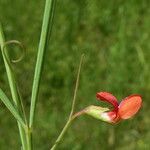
(11, 108)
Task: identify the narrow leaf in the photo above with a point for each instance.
(11, 108)
(45, 35)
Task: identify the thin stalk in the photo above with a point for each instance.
(46, 29)
(61, 134)
(76, 87)
(29, 140)
(12, 85)
(71, 116)
(67, 125)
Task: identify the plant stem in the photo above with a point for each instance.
(61, 134)
(71, 116)
(67, 125)
(13, 86)
(29, 140)
(76, 86)
(46, 29)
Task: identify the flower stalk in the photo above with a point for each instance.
(71, 116)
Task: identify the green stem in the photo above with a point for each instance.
(29, 140)
(76, 86)
(13, 86)
(71, 116)
(61, 134)
(67, 125)
(46, 29)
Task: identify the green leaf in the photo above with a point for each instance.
(45, 35)
(11, 108)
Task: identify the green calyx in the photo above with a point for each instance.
(97, 112)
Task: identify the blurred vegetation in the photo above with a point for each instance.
(114, 35)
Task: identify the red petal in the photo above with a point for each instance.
(129, 106)
(108, 97)
(112, 115)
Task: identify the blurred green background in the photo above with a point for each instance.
(114, 35)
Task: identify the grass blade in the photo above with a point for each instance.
(11, 108)
(45, 35)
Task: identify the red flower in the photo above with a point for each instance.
(125, 110)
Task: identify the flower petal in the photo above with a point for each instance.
(129, 106)
(108, 97)
(112, 115)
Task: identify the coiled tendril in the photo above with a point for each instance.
(6, 54)
(11, 72)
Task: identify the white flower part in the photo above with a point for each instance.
(106, 117)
